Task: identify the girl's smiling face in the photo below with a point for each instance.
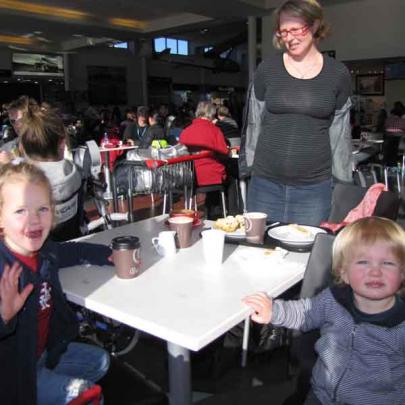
(375, 275)
(26, 215)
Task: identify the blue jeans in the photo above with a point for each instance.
(78, 369)
(307, 204)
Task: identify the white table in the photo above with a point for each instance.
(179, 299)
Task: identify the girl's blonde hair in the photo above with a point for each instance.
(363, 234)
(42, 132)
(308, 10)
(23, 172)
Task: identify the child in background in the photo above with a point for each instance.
(39, 362)
(361, 351)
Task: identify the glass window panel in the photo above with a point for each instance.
(172, 44)
(182, 47)
(160, 44)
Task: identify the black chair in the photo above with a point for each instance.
(317, 277)
(345, 197)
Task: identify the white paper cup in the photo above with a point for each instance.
(213, 246)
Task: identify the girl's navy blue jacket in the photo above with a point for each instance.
(18, 338)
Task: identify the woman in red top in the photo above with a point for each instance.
(202, 134)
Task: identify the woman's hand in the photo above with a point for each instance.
(262, 305)
(11, 301)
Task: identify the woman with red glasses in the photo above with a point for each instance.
(305, 124)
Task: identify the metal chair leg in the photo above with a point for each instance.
(164, 203)
(223, 203)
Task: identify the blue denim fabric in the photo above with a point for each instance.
(78, 369)
(308, 204)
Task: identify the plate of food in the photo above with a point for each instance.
(294, 234)
(233, 226)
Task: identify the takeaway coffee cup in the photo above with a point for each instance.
(126, 256)
(165, 244)
(255, 223)
(183, 227)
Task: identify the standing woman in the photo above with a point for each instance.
(306, 97)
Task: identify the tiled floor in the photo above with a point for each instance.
(140, 377)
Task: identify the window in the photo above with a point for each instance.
(122, 45)
(176, 46)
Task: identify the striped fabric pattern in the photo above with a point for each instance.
(358, 364)
(293, 147)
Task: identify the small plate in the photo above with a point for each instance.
(291, 236)
(239, 233)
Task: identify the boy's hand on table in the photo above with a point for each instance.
(11, 300)
(262, 305)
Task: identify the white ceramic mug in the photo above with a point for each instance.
(165, 244)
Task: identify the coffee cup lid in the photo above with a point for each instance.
(125, 242)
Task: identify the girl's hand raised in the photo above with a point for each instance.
(262, 305)
(11, 300)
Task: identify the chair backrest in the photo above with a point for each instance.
(345, 197)
(317, 275)
(316, 278)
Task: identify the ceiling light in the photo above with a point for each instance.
(127, 23)
(15, 39)
(42, 10)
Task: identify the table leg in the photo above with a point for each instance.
(245, 342)
(179, 375)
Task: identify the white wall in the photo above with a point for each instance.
(367, 29)
(363, 29)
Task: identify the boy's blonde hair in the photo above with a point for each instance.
(308, 10)
(364, 233)
(23, 172)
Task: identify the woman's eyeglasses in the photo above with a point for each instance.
(295, 32)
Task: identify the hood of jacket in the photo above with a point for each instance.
(64, 177)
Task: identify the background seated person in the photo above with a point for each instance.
(154, 132)
(202, 134)
(43, 141)
(16, 110)
(226, 123)
(396, 121)
(135, 131)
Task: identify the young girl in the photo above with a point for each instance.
(39, 364)
(43, 140)
(361, 351)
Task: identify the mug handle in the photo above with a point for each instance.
(155, 243)
(248, 224)
(135, 259)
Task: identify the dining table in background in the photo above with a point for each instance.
(106, 159)
(179, 299)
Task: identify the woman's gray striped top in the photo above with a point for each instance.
(293, 147)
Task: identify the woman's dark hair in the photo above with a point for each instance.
(42, 133)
